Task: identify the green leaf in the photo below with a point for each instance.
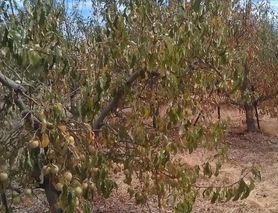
(207, 169)
(196, 4)
(215, 196)
(245, 193)
(27, 161)
(252, 184)
(229, 194)
(140, 198)
(64, 197)
(207, 192)
(128, 177)
(240, 190)
(184, 207)
(218, 167)
(34, 57)
(164, 157)
(107, 187)
(130, 192)
(133, 61)
(256, 173)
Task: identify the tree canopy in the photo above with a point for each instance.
(126, 90)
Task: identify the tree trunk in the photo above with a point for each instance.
(218, 112)
(51, 193)
(248, 107)
(4, 199)
(52, 196)
(257, 115)
(250, 121)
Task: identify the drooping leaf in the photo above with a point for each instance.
(45, 140)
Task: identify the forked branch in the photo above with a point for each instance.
(97, 124)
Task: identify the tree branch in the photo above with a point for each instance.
(19, 90)
(97, 124)
(12, 85)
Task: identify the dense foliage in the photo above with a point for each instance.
(127, 90)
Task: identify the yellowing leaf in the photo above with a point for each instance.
(62, 128)
(90, 137)
(43, 121)
(45, 140)
(44, 125)
(70, 140)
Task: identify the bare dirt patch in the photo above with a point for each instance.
(244, 151)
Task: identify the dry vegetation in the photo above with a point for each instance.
(245, 149)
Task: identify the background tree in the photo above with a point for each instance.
(252, 30)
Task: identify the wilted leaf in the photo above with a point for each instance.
(215, 196)
(45, 140)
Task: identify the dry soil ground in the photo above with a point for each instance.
(245, 149)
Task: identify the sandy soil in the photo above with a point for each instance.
(245, 149)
